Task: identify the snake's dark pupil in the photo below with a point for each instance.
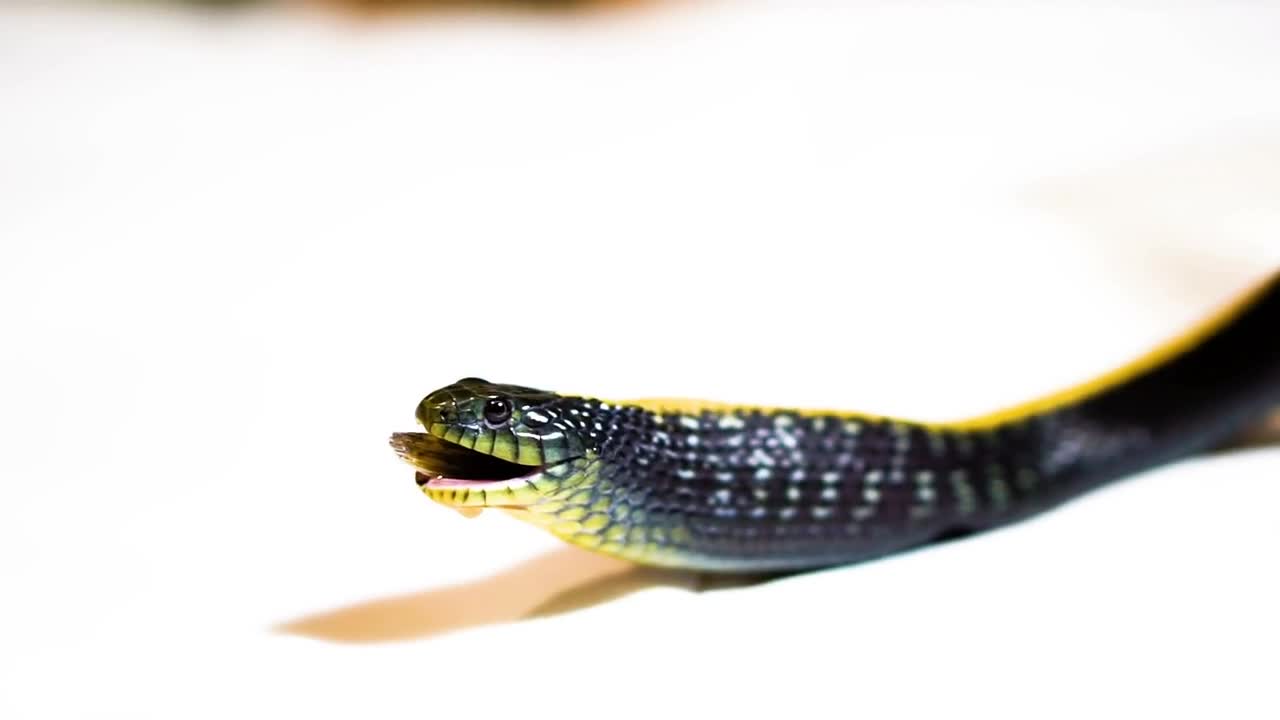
(497, 411)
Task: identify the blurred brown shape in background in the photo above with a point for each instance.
(409, 7)
(557, 582)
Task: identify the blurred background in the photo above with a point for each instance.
(239, 241)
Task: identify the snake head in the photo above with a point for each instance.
(493, 445)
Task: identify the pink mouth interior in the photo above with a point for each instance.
(454, 482)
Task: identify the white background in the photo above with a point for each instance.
(237, 249)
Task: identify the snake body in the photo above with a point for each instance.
(744, 489)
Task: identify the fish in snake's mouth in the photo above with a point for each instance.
(442, 464)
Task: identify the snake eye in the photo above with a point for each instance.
(497, 411)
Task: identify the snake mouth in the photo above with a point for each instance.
(441, 463)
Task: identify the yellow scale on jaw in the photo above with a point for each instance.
(565, 516)
(581, 516)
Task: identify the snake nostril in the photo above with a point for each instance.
(431, 410)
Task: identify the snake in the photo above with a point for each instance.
(717, 487)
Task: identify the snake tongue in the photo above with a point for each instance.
(437, 481)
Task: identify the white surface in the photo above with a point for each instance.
(236, 251)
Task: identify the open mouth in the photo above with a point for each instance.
(442, 464)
